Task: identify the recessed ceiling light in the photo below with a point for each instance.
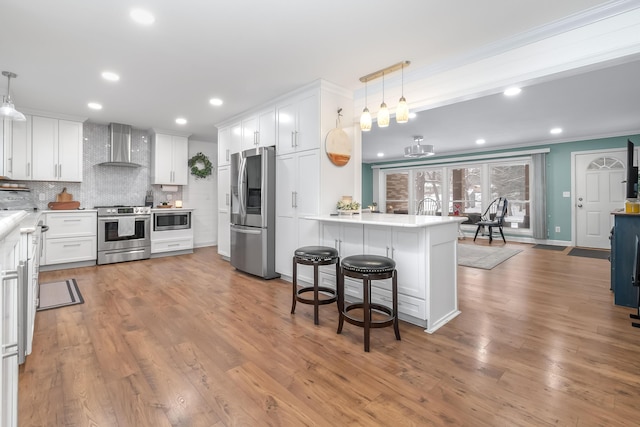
(215, 101)
(94, 106)
(111, 76)
(480, 141)
(412, 115)
(380, 154)
(555, 131)
(142, 17)
(181, 121)
(512, 91)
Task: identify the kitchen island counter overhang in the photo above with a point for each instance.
(425, 249)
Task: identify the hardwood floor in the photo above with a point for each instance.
(188, 341)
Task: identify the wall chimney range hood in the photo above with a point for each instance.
(119, 146)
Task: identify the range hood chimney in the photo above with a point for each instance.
(119, 146)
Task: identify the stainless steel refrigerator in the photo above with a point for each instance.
(253, 211)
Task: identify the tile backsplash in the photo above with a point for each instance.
(107, 185)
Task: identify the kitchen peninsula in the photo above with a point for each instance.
(424, 249)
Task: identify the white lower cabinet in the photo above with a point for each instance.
(166, 242)
(71, 238)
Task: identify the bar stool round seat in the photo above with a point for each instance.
(315, 256)
(368, 268)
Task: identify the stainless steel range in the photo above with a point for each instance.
(123, 233)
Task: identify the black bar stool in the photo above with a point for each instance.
(316, 256)
(368, 268)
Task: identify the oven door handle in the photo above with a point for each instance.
(115, 218)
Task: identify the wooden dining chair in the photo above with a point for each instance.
(493, 217)
(427, 206)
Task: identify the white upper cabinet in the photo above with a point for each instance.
(170, 157)
(56, 149)
(235, 138)
(259, 130)
(298, 123)
(19, 161)
(224, 146)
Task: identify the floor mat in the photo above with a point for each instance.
(485, 257)
(550, 247)
(59, 294)
(590, 253)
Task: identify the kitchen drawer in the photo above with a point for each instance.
(63, 250)
(406, 305)
(171, 245)
(71, 224)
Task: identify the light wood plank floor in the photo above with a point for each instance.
(188, 341)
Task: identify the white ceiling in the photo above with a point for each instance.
(249, 51)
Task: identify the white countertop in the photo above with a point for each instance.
(69, 210)
(9, 220)
(390, 220)
(170, 209)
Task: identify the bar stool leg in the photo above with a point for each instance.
(394, 284)
(295, 285)
(366, 308)
(340, 287)
(316, 301)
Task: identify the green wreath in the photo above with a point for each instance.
(196, 170)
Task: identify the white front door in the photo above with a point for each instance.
(600, 189)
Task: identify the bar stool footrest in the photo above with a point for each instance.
(375, 323)
(332, 298)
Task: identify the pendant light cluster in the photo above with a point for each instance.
(402, 110)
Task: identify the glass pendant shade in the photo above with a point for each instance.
(8, 111)
(365, 120)
(383, 116)
(402, 111)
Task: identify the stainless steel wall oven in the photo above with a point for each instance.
(124, 233)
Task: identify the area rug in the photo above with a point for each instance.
(59, 294)
(485, 257)
(590, 253)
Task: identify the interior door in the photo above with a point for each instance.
(600, 189)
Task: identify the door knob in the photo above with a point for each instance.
(580, 198)
(579, 205)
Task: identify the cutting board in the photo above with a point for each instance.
(64, 205)
(64, 196)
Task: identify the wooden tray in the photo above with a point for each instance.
(164, 206)
(64, 205)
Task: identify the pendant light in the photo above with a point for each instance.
(418, 150)
(402, 110)
(8, 110)
(365, 118)
(383, 114)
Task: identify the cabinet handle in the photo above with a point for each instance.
(70, 245)
(173, 244)
(335, 245)
(393, 251)
(71, 220)
(256, 138)
(59, 170)
(339, 247)
(296, 199)
(10, 164)
(296, 138)
(28, 168)
(387, 252)
(226, 199)
(292, 138)
(293, 203)
(227, 155)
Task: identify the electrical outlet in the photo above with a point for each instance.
(41, 197)
(557, 228)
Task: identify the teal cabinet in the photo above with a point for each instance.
(623, 252)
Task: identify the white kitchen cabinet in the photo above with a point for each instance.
(259, 130)
(9, 254)
(224, 230)
(407, 249)
(170, 158)
(56, 150)
(72, 237)
(298, 123)
(171, 242)
(235, 138)
(19, 162)
(298, 196)
(224, 146)
(6, 129)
